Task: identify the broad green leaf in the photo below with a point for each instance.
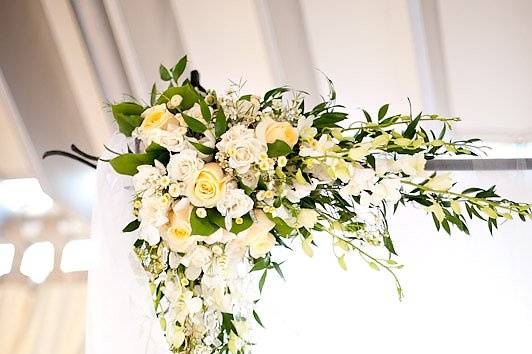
(202, 148)
(194, 124)
(278, 148)
(280, 225)
(179, 68)
(187, 92)
(126, 164)
(132, 226)
(127, 108)
(126, 124)
(216, 218)
(164, 73)
(201, 226)
(220, 126)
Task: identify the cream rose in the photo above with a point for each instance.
(207, 187)
(258, 236)
(269, 131)
(177, 233)
(156, 117)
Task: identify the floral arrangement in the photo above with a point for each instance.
(220, 180)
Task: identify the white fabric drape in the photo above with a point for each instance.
(120, 314)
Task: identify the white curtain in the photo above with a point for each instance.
(42, 319)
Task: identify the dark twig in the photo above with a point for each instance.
(69, 155)
(83, 153)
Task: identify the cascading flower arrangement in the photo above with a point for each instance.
(220, 180)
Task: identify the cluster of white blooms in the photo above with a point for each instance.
(201, 277)
(220, 180)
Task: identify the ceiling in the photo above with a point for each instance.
(71, 58)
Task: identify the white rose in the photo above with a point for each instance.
(261, 244)
(242, 147)
(197, 257)
(235, 204)
(153, 211)
(171, 140)
(184, 165)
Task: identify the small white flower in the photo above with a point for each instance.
(361, 179)
(387, 189)
(305, 128)
(441, 182)
(175, 101)
(201, 213)
(307, 218)
(413, 166)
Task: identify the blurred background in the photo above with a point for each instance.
(63, 61)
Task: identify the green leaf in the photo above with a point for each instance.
(187, 92)
(383, 110)
(280, 225)
(205, 111)
(278, 148)
(260, 264)
(179, 68)
(389, 245)
(329, 119)
(257, 318)
(262, 280)
(220, 126)
(164, 73)
(367, 115)
(410, 131)
(126, 164)
(194, 124)
(216, 218)
(127, 108)
(373, 265)
(126, 124)
(277, 268)
(132, 226)
(153, 95)
(201, 226)
(202, 148)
